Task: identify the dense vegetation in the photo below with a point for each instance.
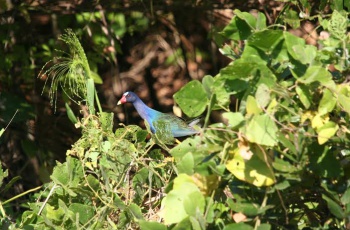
(279, 159)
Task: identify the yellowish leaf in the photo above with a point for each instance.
(326, 132)
(252, 106)
(254, 171)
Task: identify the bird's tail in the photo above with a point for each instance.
(194, 122)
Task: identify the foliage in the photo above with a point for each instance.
(280, 160)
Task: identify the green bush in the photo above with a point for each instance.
(280, 159)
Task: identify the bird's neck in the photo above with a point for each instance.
(145, 112)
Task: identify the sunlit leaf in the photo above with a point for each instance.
(316, 73)
(262, 95)
(85, 212)
(151, 225)
(292, 18)
(192, 98)
(327, 103)
(175, 206)
(344, 101)
(262, 130)
(254, 171)
(327, 131)
(252, 106)
(266, 40)
(234, 119)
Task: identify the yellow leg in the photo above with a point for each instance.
(177, 141)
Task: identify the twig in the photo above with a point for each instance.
(47, 198)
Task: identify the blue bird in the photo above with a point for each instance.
(177, 126)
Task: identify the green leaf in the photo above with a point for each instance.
(247, 17)
(316, 73)
(68, 174)
(93, 183)
(262, 95)
(188, 145)
(287, 143)
(54, 214)
(344, 101)
(291, 41)
(151, 225)
(175, 204)
(345, 199)
(238, 226)
(97, 79)
(254, 171)
(334, 207)
(283, 166)
(135, 210)
(192, 98)
(260, 21)
(237, 29)
(327, 131)
(327, 102)
(292, 18)
(247, 208)
(264, 227)
(252, 106)
(86, 212)
(234, 119)
(305, 53)
(208, 82)
(186, 164)
(338, 25)
(262, 130)
(70, 114)
(304, 95)
(282, 185)
(194, 204)
(266, 40)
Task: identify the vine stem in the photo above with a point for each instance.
(22, 194)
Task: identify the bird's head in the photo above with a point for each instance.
(128, 97)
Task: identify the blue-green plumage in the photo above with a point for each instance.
(178, 127)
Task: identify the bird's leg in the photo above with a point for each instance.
(177, 141)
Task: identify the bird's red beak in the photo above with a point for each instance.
(122, 100)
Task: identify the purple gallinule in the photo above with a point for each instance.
(177, 126)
